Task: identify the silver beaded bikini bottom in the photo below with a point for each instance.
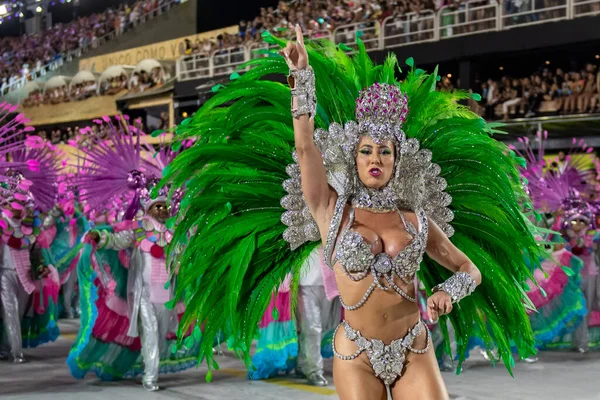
(387, 360)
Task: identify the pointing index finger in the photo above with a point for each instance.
(299, 36)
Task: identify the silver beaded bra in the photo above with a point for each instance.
(354, 255)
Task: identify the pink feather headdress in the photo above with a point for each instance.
(114, 170)
(31, 169)
(559, 185)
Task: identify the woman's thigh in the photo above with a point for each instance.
(355, 380)
(421, 379)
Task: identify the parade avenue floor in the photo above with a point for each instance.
(557, 375)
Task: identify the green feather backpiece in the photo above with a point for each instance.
(233, 174)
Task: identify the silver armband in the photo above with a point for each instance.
(458, 286)
(304, 91)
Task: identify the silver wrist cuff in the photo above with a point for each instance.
(458, 286)
(304, 92)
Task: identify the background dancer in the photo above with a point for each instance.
(317, 315)
(28, 287)
(124, 283)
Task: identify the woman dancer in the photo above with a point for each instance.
(299, 343)
(370, 190)
(28, 287)
(127, 329)
(66, 225)
(379, 239)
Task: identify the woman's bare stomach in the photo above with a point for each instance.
(385, 315)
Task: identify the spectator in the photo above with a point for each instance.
(124, 84)
(207, 47)
(133, 16)
(535, 96)
(134, 84)
(564, 90)
(56, 136)
(138, 124)
(187, 50)
(597, 97)
(492, 99)
(575, 87)
(66, 135)
(145, 81)
(587, 99)
(101, 133)
(91, 89)
(514, 94)
(446, 85)
(157, 76)
(243, 25)
(164, 121)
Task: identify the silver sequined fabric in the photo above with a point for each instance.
(355, 255)
(388, 361)
(458, 286)
(357, 260)
(305, 93)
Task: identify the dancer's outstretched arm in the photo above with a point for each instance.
(319, 196)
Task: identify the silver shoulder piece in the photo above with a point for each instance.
(419, 185)
(301, 225)
(337, 147)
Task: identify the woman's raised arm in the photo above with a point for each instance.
(316, 191)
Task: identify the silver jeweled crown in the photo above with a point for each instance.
(381, 110)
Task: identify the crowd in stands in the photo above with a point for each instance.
(111, 86)
(61, 94)
(545, 91)
(114, 85)
(321, 17)
(83, 90)
(144, 80)
(60, 135)
(316, 17)
(29, 55)
(74, 136)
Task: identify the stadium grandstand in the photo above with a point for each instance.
(122, 57)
